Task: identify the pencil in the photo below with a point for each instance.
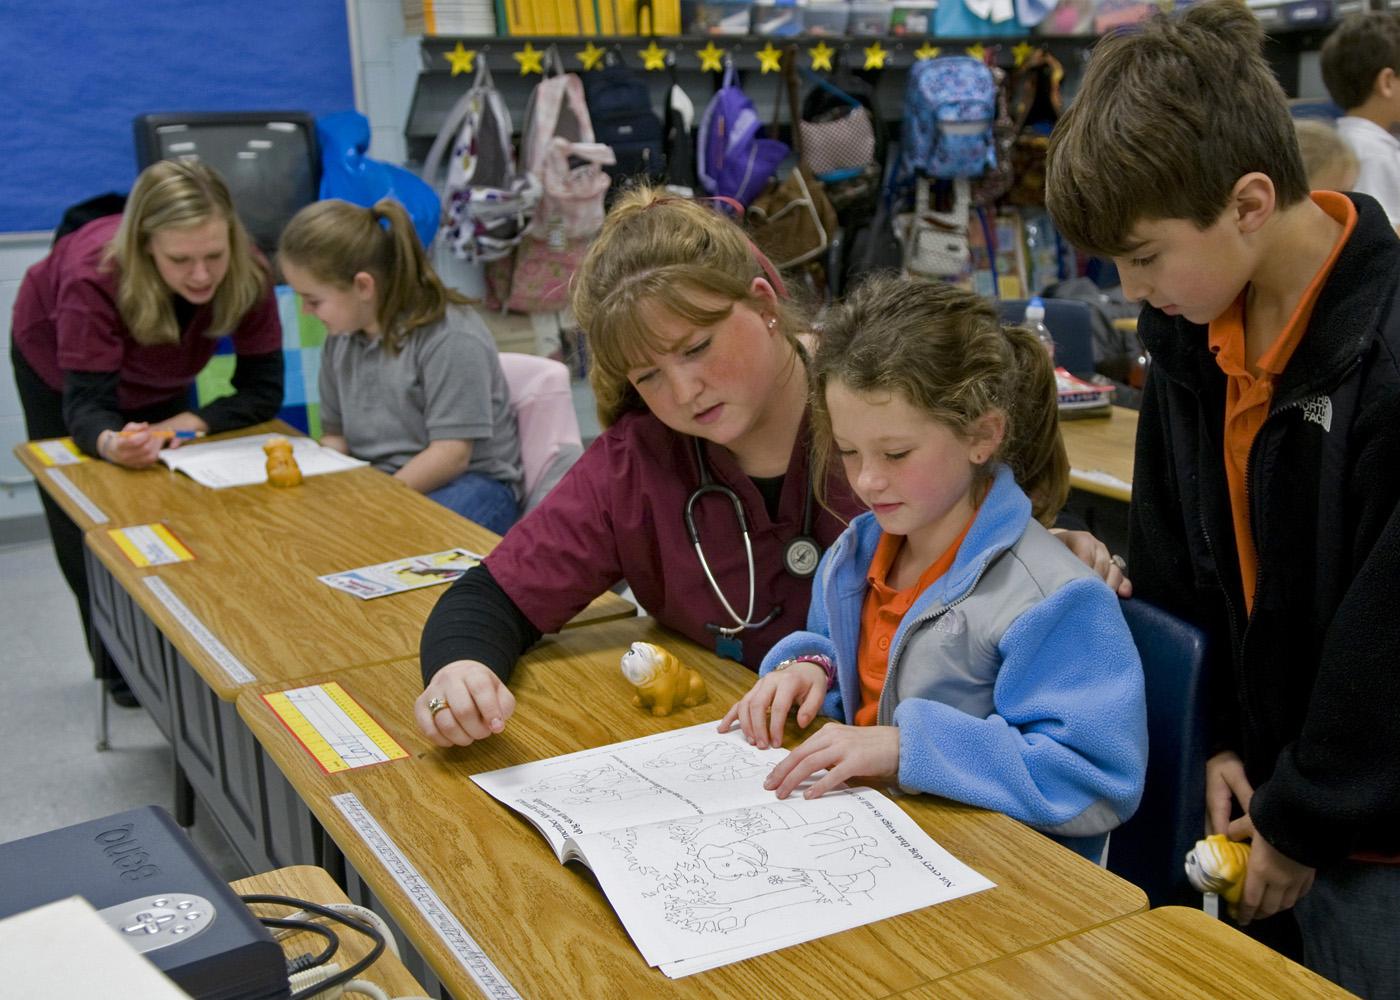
(176, 435)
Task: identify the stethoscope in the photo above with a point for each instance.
(800, 557)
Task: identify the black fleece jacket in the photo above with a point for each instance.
(1305, 687)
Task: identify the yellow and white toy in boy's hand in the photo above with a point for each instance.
(662, 682)
(1217, 864)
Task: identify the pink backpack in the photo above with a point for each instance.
(558, 134)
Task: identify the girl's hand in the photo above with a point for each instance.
(845, 752)
(134, 446)
(763, 712)
(478, 704)
(1273, 882)
(1225, 784)
(1094, 554)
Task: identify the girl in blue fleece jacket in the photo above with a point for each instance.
(968, 653)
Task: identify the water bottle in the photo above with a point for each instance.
(1035, 323)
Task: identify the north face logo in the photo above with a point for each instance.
(1318, 410)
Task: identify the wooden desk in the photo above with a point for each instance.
(548, 928)
(1102, 445)
(1172, 953)
(316, 886)
(252, 586)
(125, 496)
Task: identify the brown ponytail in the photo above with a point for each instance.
(336, 240)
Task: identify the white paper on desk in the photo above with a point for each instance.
(395, 577)
(705, 867)
(242, 462)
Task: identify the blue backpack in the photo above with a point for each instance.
(619, 102)
(732, 159)
(950, 106)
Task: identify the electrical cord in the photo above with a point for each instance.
(364, 927)
(332, 945)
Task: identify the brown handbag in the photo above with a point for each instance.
(792, 221)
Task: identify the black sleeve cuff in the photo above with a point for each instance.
(90, 407)
(475, 620)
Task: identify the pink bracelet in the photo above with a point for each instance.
(822, 661)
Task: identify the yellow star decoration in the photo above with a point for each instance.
(531, 60)
(591, 56)
(821, 54)
(875, 56)
(711, 58)
(653, 57)
(1021, 52)
(927, 51)
(977, 50)
(769, 58)
(460, 58)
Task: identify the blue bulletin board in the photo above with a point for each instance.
(74, 73)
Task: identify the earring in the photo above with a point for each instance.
(772, 322)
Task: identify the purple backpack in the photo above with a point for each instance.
(733, 159)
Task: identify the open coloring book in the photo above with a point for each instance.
(242, 462)
(705, 867)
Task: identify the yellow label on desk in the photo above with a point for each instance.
(333, 727)
(58, 451)
(150, 545)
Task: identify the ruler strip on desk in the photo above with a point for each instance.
(488, 978)
(333, 727)
(76, 495)
(230, 664)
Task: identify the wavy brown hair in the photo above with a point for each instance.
(335, 240)
(1167, 119)
(946, 352)
(176, 194)
(658, 251)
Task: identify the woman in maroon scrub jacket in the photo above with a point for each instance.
(112, 327)
(698, 493)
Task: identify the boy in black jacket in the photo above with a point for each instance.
(1266, 491)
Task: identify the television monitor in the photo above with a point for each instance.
(269, 159)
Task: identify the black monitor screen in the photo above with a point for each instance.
(269, 160)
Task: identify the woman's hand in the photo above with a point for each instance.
(134, 446)
(845, 752)
(186, 421)
(1094, 554)
(763, 712)
(478, 704)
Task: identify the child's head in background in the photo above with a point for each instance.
(362, 269)
(1329, 161)
(1360, 60)
(920, 391)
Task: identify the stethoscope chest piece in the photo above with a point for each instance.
(801, 556)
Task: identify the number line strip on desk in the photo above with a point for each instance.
(76, 495)
(333, 727)
(230, 664)
(482, 970)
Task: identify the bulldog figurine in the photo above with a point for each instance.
(662, 682)
(1217, 864)
(282, 468)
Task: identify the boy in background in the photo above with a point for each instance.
(1328, 161)
(1359, 63)
(1266, 491)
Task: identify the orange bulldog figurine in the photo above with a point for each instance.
(662, 682)
(282, 468)
(1217, 864)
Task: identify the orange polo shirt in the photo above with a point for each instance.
(883, 610)
(1248, 395)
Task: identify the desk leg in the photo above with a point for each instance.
(184, 796)
(102, 734)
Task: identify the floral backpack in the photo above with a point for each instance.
(950, 105)
(486, 202)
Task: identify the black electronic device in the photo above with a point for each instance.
(269, 159)
(149, 882)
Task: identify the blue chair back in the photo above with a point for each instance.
(1070, 323)
(1149, 849)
